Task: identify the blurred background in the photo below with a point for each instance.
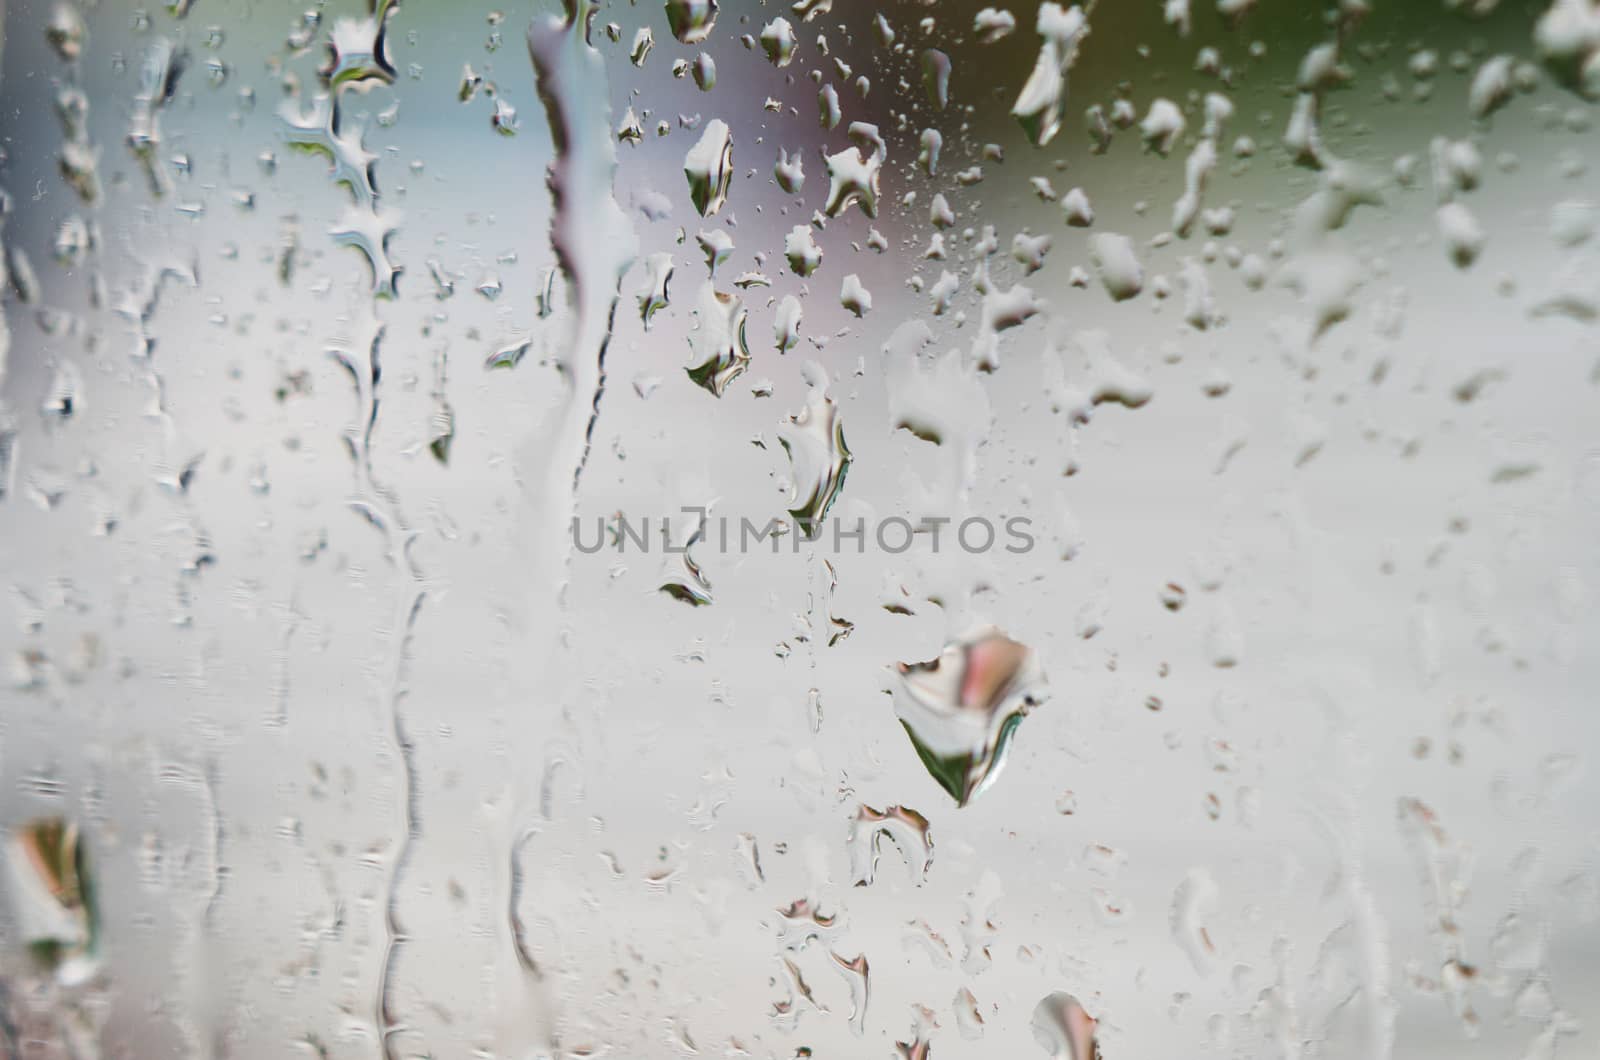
(323, 321)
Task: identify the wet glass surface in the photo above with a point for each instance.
(710, 528)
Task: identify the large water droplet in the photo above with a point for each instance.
(705, 72)
(653, 293)
(1462, 234)
(691, 20)
(853, 173)
(858, 977)
(818, 456)
(789, 171)
(65, 31)
(53, 895)
(906, 828)
(643, 42)
(1038, 106)
(1114, 258)
(936, 76)
(962, 709)
(719, 341)
(801, 250)
(854, 296)
(828, 112)
(786, 324)
(709, 168)
(1163, 124)
(779, 42)
(992, 24)
(1064, 1029)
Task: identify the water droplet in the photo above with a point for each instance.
(962, 709)
(857, 977)
(853, 173)
(705, 72)
(1567, 37)
(801, 250)
(819, 459)
(53, 893)
(717, 245)
(936, 76)
(779, 42)
(906, 828)
(471, 81)
(360, 54)
(828, 112)
(1192, 903)
(1038, 106)
(503, 118)
(643, 41)
(653, 294)
(709, 168)
(928, 156)
(854, 296)
(682, 577)
(1114, 258)
(1492, 87)
(992, 24)
(786, 324)
(159, 75)
(65, 31)
(691, 20)
(1162, 126)
(969, 1021)
(810, 9)
(1029, 251)
(719, 340)
(1462, 234)
(803, 922)
(1075, 209)
(789, 172)
(63, 399)
(1063, 1029)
